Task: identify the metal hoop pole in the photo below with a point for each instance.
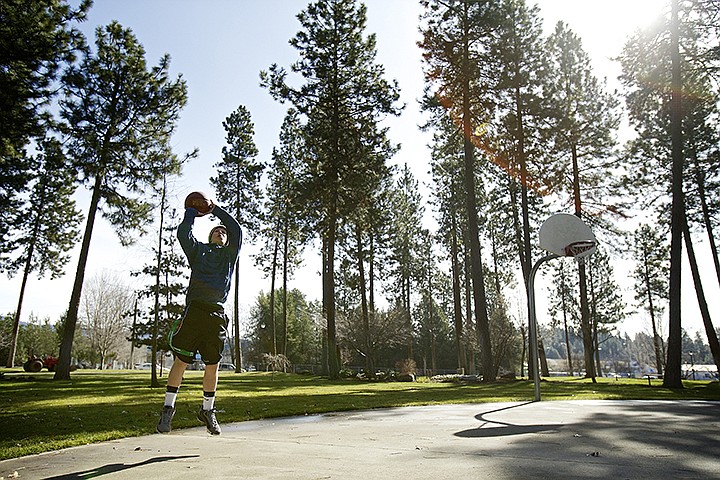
(532, 320)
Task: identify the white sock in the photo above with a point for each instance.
(208, 400)
(170, 395)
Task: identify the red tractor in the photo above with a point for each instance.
(34, 364)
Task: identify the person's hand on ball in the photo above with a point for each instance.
(200, 202)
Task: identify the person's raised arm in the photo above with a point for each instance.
(185, 235)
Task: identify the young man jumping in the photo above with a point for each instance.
(203, 327)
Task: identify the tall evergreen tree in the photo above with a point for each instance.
(283, 231)
(582, 118)
(434, 332)
(406, 241)
(160, 260)
(238, 186)
(119, 118)
(342, 100)
(651, 254)
(607, 308)
(672, 377)
(46, 228)
(518, 57)
(564, 309)
(446, 194)
(304, 339)
(366, 240)
(36, 40)
(670, 108)
(165, 290)
(455, 37)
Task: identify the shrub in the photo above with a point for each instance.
(347, 373)
(406, 366)
(276, 363)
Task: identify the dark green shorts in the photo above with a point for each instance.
(203, 329)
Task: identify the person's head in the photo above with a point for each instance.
(218, 235)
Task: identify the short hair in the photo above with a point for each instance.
(217, 227)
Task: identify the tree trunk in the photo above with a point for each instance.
(457, 300)
(156, 324)
(237, 348)
(524, 349)
(273, 273)
(567, 330)
(700, 180)
(26, 273)
(594, 321)
(702, 303)
(329, 297)
(285, 291)
(657, 341)
(544, 370)
(369, 364)
(480, 301)
(62, 370)
(673, 374)
(585, 325)
(133, 335)
(598, 364)
(585, 322)
(408, 312)
(371, 274)
(470, 327)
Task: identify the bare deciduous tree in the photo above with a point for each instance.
(105, 302)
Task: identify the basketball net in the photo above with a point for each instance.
(579, 250)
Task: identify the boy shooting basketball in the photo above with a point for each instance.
(203, 327)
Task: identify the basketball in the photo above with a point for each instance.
(200, 202)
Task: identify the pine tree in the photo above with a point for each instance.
(650, 253)
(36, 40)
(46, 228)
(342, 101)
(607, 308)
(433, 328)
(455, 37)
(238, 186)
(582, 118)
(446, 194)
(165, 290)
(518, 57)
(282, 234)
(362, 240)
(239, 172)
(671, 108)
(119, 118)
(564, 308)
(304, 339)
(406, 243)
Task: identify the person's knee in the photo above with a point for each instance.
(180, 363)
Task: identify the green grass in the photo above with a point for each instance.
(38, 414)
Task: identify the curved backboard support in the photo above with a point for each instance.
(563, 235)
(567, 235)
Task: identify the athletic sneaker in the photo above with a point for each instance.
(166, 416)
(208, 418)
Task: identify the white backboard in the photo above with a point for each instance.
(563, 229)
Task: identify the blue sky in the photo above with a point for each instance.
(220, 46)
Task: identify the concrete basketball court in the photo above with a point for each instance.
(553, 439)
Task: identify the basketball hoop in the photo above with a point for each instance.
(580, 249)
(561, 235)
(566, 235)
